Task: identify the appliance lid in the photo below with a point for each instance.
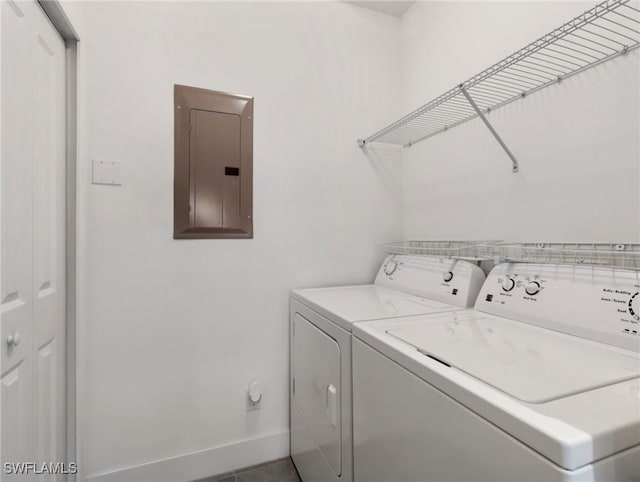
(349, 304)
(529, 363)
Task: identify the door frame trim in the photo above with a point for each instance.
(60, 21)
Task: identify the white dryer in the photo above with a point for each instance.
(541, 382)
(321, 321)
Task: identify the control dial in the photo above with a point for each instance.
(532, 288)
(634, 306)
(508, 284)
(448, 276)
(390, 268)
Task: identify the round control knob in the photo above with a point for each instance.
(508, 284)
(14, 340)
(448, 276)
(532, 288)
(390, 268)
(634, 306)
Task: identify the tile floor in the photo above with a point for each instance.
(281, 470)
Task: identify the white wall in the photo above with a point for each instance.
(577, 142)
(173, 331)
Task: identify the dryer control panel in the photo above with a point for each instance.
(443, 279)
(601, 304)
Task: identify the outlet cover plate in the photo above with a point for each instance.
(107, 172)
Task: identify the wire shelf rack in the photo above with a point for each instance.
(467, 250)
(610, 255)
(610, 29)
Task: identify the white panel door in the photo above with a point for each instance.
(32, 298)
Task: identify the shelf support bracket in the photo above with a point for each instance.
(515, 167)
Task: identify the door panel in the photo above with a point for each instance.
(16, 409)
(215, 146)
(316, 362)
(17, 202)
(49, 301)
(33, 227)
(16, 306)
(47, 430)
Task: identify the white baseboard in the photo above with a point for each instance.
(205, 463)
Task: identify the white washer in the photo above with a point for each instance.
(321, 321)
(541, 382)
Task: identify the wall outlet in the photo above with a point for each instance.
(254, 396)
(253, 406)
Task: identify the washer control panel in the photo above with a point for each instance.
(439, 278)
(600, 304)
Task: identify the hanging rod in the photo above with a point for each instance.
(610, 29)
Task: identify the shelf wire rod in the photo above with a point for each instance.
(635, 20)
(488, 98)
(438, 120)
(572, 55)
(530, 65)
(514, 161)
(441, 113)
(626, 5)
(529, 75)
(533, 71)
(585, 62)
(485, 103)
(504, 87)
(456, 109)
(608, 47)
(461, 103)
(463, 109)
(560, 66)
(516, 80)
(623, 45)
(426, 122)
(620, 25)
(613, 31)
(602, 54)
(485, 86)
(492, 103)
(418, 130)
(452, 104)
(501, 85)
(555, 71)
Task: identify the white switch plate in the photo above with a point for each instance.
(107, 172)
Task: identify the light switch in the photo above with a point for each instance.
(107, 172)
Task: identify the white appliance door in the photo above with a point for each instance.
(316, 362)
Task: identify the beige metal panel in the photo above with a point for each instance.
(213, 179)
